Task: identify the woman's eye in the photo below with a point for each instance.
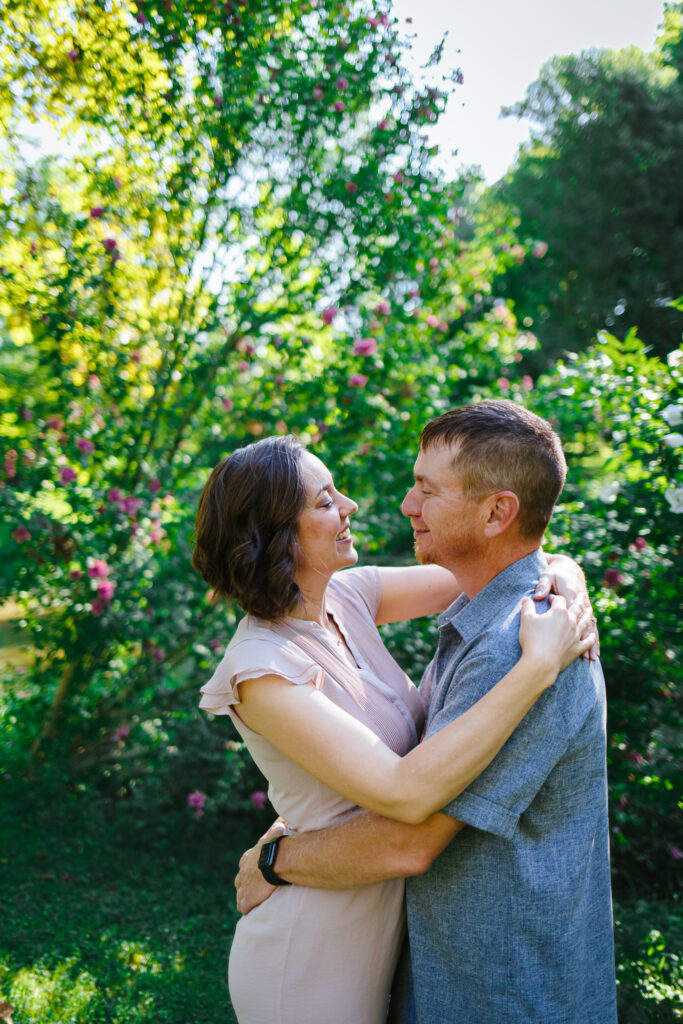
(329, 504)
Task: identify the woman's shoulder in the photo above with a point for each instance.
(360, 586)
(257, 649)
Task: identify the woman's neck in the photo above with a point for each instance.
(311, 606)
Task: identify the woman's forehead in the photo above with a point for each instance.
(315, 472)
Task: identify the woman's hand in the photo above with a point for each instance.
(553, 639)
(564, 577)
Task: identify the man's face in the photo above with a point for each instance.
(447, 526)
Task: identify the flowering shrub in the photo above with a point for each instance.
(613, 407)
(287, 261)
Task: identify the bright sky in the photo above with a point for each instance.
(502, 45)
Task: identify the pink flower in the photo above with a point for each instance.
(120, 734)
(110, 245)
(21, 534)
(73, 55)
(259, 799)
(26, 413)
(676, 853)
(106, 589)
(116, 182)
(196, 799)
(113, 495)
(227, 404)
(156, 534)
(317, 93)
(97, 607)
(158, 654)
(527, 382)
(130, 506)
(98, 569)
(364, 347)
(93, 381)
(87, 447)
(640, 543)
(383, 125)
(55, 423)
(459, 77)
(398, 177)
(432, 321)
(10, 468)
(636, 758)
(66, 475)
(383, 308)
(503, 384)
(539, 250)
(75, 575)
(342, 83)
(372, 22)
(357, 380)
(351, 186)
(612, 578)
(339, 105)
(329, 313)
(97, 211)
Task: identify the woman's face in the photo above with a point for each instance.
(323, 535)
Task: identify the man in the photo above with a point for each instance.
(511, 921)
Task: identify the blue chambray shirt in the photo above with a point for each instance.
(513, 921)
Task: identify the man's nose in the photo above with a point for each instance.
(410, 505)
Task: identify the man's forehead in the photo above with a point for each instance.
(435, 461)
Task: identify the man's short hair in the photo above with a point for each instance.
(500, 446)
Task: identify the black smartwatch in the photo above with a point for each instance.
(266, 861)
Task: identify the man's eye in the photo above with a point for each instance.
(425, 492)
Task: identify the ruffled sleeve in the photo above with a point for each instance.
(255, 651)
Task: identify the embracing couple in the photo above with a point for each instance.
(486, 788)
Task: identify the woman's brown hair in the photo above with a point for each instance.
(245, 529)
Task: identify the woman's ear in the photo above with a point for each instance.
(503, 509)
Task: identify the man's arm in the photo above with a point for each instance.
(362, 849)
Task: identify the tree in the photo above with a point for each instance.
(599, 199)
(245, 239)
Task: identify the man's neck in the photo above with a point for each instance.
(474, 576)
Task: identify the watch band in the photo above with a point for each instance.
(266, 862)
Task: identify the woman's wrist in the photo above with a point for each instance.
(537, 672)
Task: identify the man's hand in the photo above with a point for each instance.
(252, 888)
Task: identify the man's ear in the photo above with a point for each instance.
(502, 509)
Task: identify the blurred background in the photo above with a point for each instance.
(225, 220)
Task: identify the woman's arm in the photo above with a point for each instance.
(411, 591)
(347, 756)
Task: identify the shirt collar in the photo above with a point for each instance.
(471, 617)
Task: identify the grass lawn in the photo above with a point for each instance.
(99, 929)
(106, 921)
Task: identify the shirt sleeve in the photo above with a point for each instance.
(252, 658)
(497, 798)
(362, 586)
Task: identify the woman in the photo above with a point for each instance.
(331, 719)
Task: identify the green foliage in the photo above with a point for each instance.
(598, 196)
(250, 241)
(618, 410)
(247, 239)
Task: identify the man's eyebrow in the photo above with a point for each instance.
(419, 479)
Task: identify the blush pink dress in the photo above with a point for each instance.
(315, 956)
